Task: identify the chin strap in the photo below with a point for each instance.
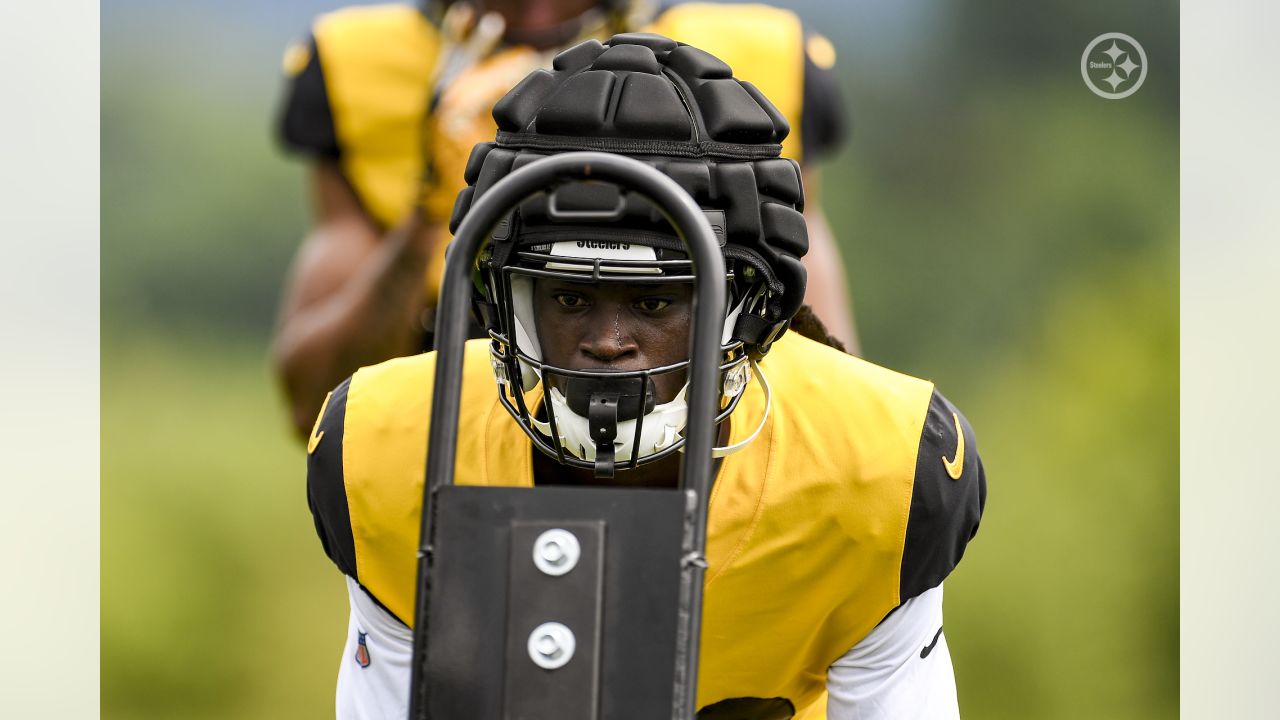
(768, 403)
(602, 419)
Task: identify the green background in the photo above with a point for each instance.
(1007, 234)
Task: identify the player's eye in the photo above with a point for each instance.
(652, 304)
(570, 300)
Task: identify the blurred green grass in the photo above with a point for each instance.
(1066, 605)
(217, 600)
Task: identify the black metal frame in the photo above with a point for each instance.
(709, 299)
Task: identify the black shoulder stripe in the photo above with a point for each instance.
(326, 486)
(823, 123)
(306, 119)
(949, 493)
(373, 598)
(749, 708)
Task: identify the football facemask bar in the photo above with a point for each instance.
(590, 418)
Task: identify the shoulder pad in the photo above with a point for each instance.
(947, 498)
(326, 486)
(764, 46)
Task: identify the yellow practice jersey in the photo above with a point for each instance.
(365, 92)
(861, 491)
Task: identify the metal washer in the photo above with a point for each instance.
(556, 551)
(551, 645)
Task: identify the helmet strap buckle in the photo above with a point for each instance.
(602, 419)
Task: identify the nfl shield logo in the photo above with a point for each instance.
(362, 651)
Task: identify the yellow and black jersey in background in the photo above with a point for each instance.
(861, 492)
(366, 91)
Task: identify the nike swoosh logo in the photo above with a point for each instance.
(929, 648)
(316, 433)
(955, 468)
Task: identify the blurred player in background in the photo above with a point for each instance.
(387, 101)
(844, 493)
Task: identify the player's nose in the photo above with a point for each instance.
(609, 339)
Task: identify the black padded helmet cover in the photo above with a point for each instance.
(681, 110)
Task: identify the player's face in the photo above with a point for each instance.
(529, 15)
(614, 326)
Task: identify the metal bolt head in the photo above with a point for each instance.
(551, 645)
(552, 553)
(548, 647)
(556, 551)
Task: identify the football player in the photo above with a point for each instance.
(388, 100)
(844, 494)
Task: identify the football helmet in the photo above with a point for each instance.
(680, 110)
